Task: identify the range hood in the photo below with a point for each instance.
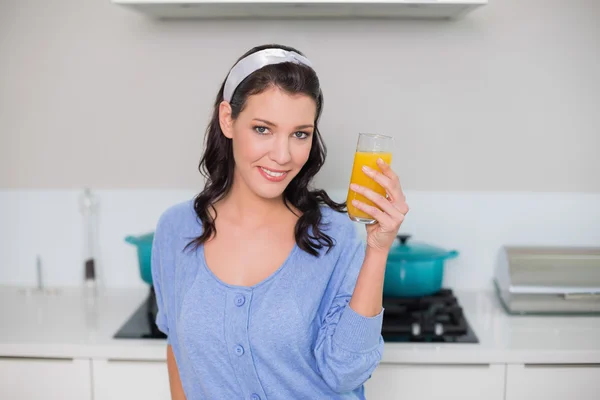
(249, 9)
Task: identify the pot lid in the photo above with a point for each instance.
(402, 250)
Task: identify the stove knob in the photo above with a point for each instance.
(439, 329)
(416, 329)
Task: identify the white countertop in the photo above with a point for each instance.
(62, 326)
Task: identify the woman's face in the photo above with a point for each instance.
(271, 138)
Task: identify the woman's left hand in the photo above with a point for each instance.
(389, 212)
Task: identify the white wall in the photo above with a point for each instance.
(495, 117)
(507, 99)
(48, 223)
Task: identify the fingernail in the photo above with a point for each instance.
(354, 202)
(365, 168)
(353, 186)
(380, 161)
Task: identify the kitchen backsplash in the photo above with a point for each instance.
(48, 223)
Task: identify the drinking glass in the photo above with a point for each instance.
(369, 148)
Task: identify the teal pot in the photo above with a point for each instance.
(144, 254)
(414, 269)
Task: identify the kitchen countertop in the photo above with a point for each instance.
(64, 325)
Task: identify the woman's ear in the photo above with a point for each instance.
(225, 120)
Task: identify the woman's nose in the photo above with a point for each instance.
(280, 153)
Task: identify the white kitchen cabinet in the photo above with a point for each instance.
(553, 382)
(436, 381)
(128, 379)
(47, 379)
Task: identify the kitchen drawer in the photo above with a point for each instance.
(47, 379)
(436, 381)
(129, 379)
(553, 382)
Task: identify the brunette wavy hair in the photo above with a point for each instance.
(217, 162)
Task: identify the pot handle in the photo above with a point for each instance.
(452, 254)
(403, 238)
(132, 239)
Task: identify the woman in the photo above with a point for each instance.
(263, 288)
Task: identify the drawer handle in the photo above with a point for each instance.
(444, 365)
(562, 365)
(138, 361)
(28, 358)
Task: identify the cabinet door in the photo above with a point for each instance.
(125, 380)
(48, 379)
(553, 382)
(436, 381)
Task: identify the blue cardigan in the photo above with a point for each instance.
(291, 336)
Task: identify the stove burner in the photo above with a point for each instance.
(435, 318)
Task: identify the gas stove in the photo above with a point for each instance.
(435, 318)
(141, 324)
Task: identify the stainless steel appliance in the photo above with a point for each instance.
(548, 280)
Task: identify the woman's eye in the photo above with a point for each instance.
(301, 135)
(261, 130)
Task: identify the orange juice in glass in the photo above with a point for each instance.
(369, 148)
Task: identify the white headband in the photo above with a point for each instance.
(256, 61)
